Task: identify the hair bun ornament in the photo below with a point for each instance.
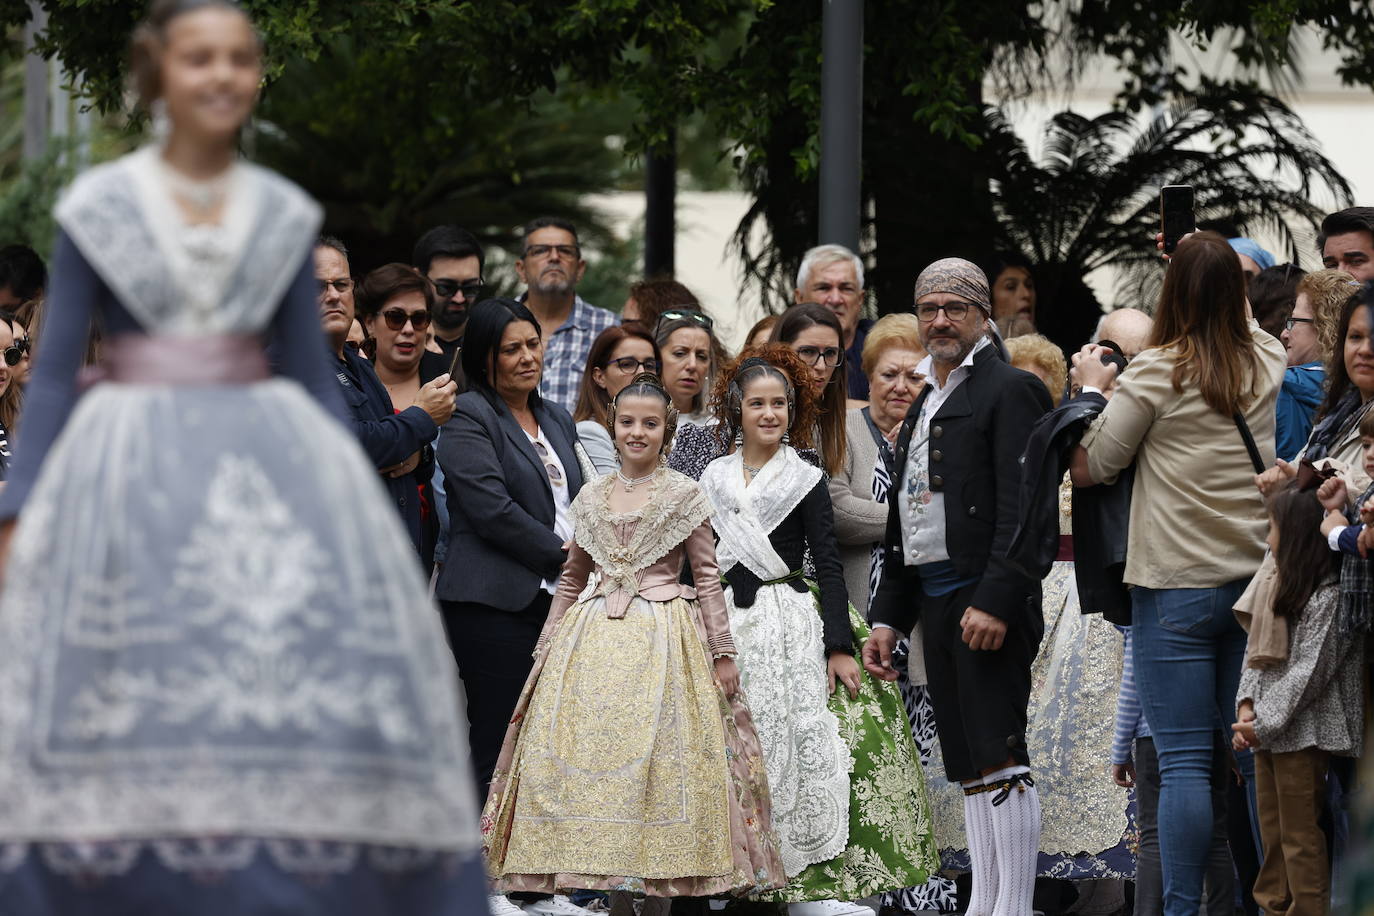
(753, 361)
(647, 378)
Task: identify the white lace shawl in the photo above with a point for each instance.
(744, 516)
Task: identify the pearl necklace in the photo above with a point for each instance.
(202, 196)
(632, 482)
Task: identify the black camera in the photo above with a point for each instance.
(1113, 358)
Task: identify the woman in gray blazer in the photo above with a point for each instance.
(512, 473)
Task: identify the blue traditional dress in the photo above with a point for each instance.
(224, 689)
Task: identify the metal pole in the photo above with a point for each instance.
(59, 115)
(660, 204)
(842, 69)
(35, 86)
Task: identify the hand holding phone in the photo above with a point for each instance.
(1176, 217)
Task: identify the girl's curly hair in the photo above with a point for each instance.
(781, 360)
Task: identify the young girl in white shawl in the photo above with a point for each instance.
(849, 799)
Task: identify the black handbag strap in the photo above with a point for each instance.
(1249, 442)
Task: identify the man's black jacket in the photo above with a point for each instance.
(1101, 513)
(976, 441)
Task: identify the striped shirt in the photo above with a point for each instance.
(1130, 719)
(566, 349)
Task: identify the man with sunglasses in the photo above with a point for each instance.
(951, 515)
(452, 259)
(551, 266)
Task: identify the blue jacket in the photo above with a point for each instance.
(389, 438)
(1301, 392)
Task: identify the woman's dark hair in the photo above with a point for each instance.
(145, 45)
(1303, 559)
(1272, 293)
(998, 261)
(1338, 380)
(384, 283)
(1201, 316)
(657, 295)
(834, 401)
(592, 399)
(482, 338)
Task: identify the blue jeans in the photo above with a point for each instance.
(1188, 653)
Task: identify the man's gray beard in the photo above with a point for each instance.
(964, 351)
(558, 288)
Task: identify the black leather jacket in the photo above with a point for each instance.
(1101, 514)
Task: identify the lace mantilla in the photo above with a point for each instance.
(180, 279)
(676, 507)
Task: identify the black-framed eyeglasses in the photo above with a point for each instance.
(695, 315)
(1288, 325)
(571, 252)
(830, 356)
(954, 311)
(341, 285)
(14, 354)
(471, 289)
(633, 364)
(555, 475)
(396, 319)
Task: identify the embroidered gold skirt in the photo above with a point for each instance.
(625, 768)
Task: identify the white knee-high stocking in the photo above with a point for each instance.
(982, 851)
(1014, 813)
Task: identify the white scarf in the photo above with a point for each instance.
(743, 516)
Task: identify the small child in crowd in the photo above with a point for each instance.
(1299, 713)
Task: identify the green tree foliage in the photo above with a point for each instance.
(388, 161)
(1092, 197)
(928, 175)
(752, 69)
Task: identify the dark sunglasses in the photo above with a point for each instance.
(14, 355)
(471, 289)
(684, 315)
(396, 319)
(630, 364)
(367, 348)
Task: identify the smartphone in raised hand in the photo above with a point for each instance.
(1175, 214)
